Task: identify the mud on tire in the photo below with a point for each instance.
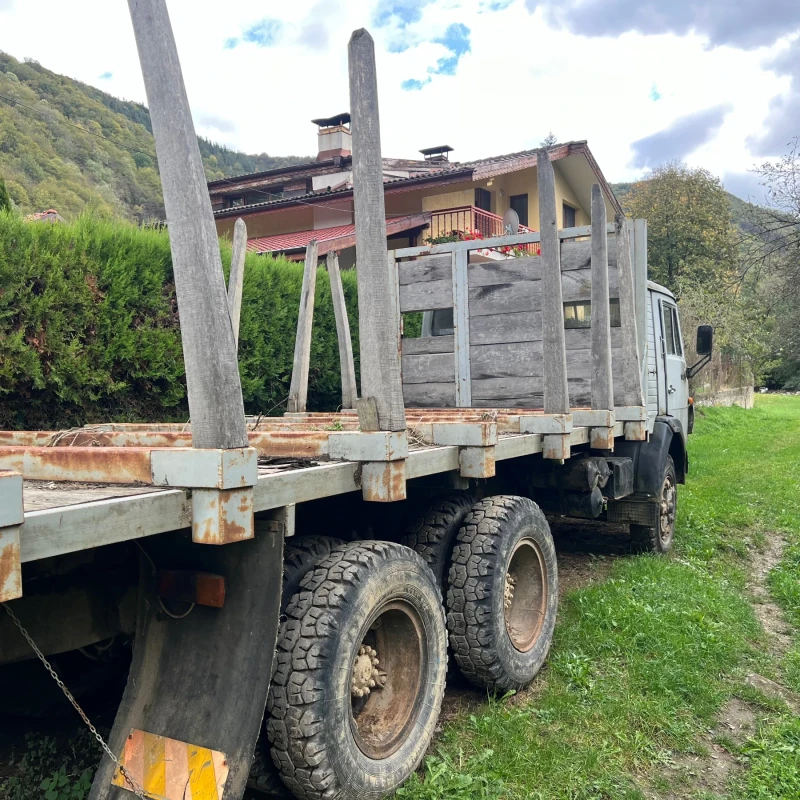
(503, 593)
(366, 602)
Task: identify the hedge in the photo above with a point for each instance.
(89, 327)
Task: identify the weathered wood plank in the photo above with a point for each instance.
(377, 307)
(434, 368)
(630, 379)
(346, 363)
(429, 344)
(236, 277)
(505, 298)
(426, 268)
(298, 388)
(461, 317)
(426, 295)
(430, 395)
(520, 326)
(556, 395)
(576, 285)
(602, 381)
(490, 273)
(212, 374)
(515, 359)
(640, 282)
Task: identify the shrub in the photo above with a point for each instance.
(89, 327)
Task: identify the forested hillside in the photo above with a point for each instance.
(69, 146)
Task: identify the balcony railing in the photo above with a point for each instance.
(469, 222)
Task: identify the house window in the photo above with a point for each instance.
(568, 214)
(519, 202)
(579, 314)
(483, 199)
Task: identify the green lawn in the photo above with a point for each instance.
(642, 662)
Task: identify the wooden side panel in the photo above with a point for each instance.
(427, 268)
(426, 295)
(428, 344)
(430, 395)
(505, 298)
(520, 326)
(434, 368)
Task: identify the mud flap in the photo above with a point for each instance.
(203, 680)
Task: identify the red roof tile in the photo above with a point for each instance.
(299, 239)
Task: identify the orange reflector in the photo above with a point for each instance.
(691, 401)
(171, 770)
(188, 586)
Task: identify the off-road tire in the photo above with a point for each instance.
(659, 539)
(311, 723)
(492, 533)
(299, 556)
(433, 534)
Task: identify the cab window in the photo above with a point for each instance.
(672, 334)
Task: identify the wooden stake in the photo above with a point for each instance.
(298, 389)
(237, 276)
(348, 370)
(602, 380)
(554, 351)
(377, 313)
(209, 352)
(631, 374)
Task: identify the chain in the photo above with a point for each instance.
(135, 788)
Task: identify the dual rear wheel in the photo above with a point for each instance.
(361, 663)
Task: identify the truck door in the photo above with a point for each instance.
(676, 385)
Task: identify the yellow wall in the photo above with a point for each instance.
(269, 224)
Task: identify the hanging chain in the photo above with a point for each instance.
(135, 788)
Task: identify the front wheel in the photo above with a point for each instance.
(360, 673)
(659, 539)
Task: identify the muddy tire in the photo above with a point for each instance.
(659, 539)
(359, 674)
(503, 595)
(299, 556)
(433, 534)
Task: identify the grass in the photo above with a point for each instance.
(642, 662)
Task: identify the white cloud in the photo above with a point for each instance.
(519, 80)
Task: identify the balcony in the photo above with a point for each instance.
(469, 222)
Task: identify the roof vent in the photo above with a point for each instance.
(334, 136)
(437, 154)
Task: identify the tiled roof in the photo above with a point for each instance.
(297, 240)
(335, 238)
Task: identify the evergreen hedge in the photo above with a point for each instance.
(89, 327)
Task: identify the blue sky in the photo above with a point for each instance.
(716, 84)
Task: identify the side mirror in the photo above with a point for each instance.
(705, 340)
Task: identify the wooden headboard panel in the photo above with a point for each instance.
(505, 329)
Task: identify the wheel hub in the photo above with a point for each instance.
(508, 592)
(366, 675)
(667, 509)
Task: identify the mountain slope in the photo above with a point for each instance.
(69, 146)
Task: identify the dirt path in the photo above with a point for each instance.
(710, 770)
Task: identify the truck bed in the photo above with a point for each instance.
(64, 517)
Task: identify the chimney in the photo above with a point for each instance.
(334, 137)
(437, 155)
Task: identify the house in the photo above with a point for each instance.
(428, 198)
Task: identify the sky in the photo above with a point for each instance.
(715, 84)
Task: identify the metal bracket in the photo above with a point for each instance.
(12, 515)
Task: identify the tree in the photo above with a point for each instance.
(690, 234)
(549, 140)
(5, 197)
